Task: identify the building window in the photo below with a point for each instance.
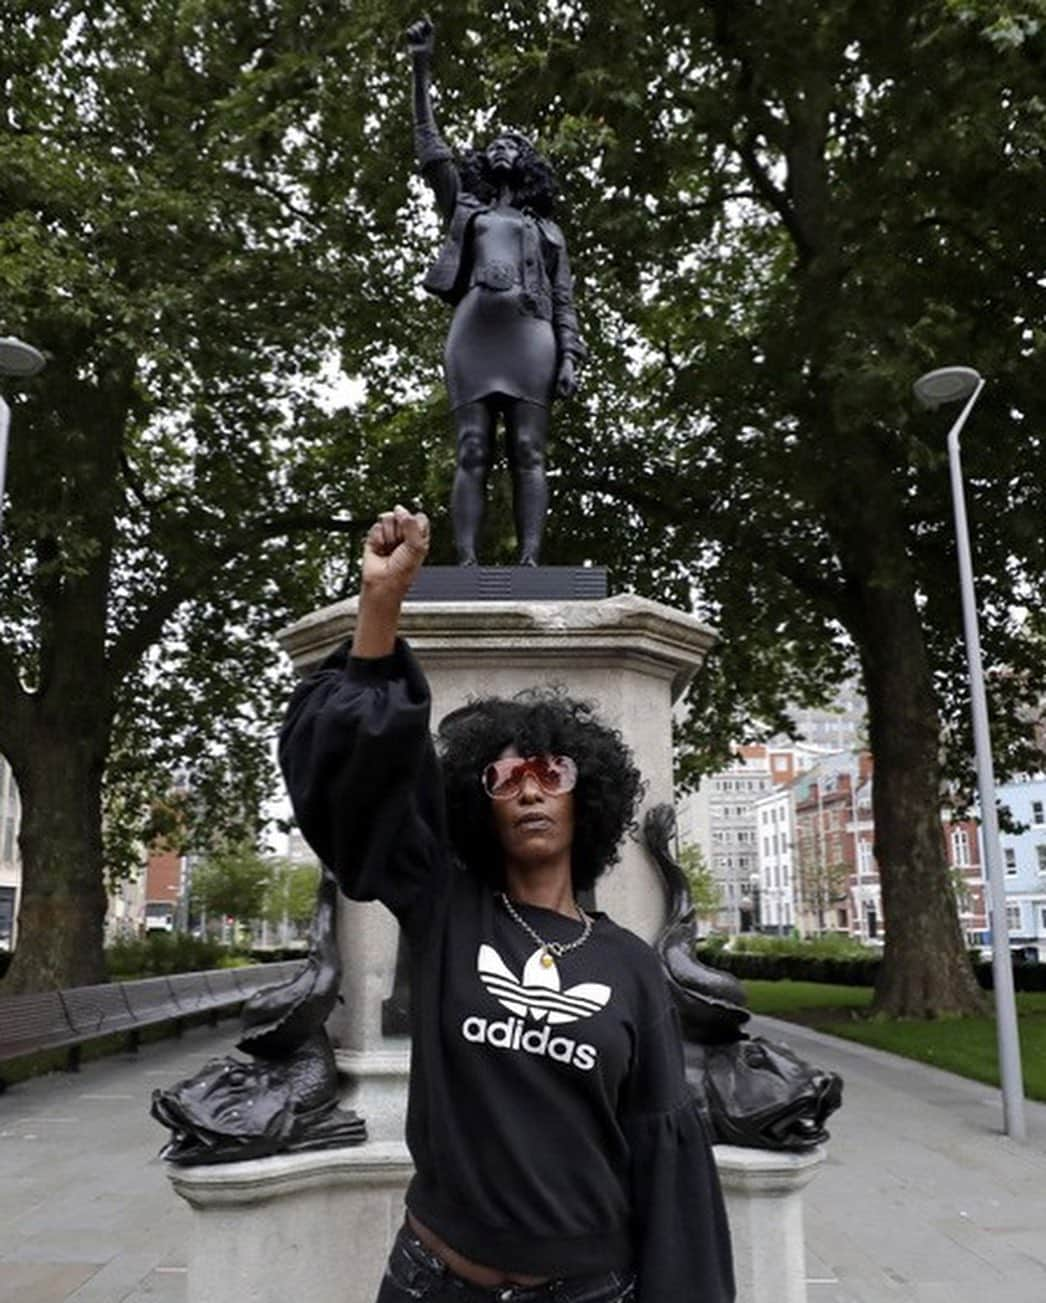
(1009, 855)
(1037, 814)
(1040, 851)
(7, 916)
(1013, 917)
(960, 848)
(1043, 915)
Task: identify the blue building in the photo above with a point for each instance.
(1024, 863)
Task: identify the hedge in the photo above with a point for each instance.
(842, 972)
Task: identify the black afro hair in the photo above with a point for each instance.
(538, 720)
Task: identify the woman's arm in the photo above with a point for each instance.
(355, 747)
(434, 158)
(569, 345)
(393, 551)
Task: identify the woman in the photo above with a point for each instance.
(514, 340)
(558, 1155)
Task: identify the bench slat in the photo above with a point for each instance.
(34, 1022)
(57, 1019)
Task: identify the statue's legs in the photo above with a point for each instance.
(474, 425)
(526, 431)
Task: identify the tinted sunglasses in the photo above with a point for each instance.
(503, 779)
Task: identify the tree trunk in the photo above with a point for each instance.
(926, 971)
(62, 914)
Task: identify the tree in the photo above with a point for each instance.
(771, 247)
(234, 882)
(705, 891)
(291, 894)
(182, 233)
(196, 209)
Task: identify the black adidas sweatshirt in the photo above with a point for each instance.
(548, 1118)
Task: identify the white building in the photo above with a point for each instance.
(720, 818)
(775, 850)
(10, 862)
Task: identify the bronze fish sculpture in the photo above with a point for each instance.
(752, 1092)
(285, 1098)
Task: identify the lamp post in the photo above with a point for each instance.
(16, 359)
(953, 384)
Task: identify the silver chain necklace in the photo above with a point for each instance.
(550, 950)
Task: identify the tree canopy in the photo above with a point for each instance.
(778, 217)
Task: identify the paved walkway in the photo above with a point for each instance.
(922, 1200)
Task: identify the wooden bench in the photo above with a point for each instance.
(53, 1020)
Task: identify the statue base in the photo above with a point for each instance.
(319, 1226)
(314, 1226)
(509, 584)
(764, 1205)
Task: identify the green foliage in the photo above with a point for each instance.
(705, 891)
(832, 945)
(206, 211)
(290, 892)
(160, 954)
(233, 882)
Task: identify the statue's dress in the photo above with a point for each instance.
(496, 345)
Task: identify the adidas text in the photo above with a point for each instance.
(512, 1034)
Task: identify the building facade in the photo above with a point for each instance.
(10, 862)
(722, 819)
(775, 850)
(1024, 866)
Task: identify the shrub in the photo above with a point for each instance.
(162, 953)
(860, 970)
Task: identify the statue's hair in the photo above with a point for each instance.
(533, 178)
(538, 720)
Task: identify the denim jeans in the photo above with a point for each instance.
(414, 1274)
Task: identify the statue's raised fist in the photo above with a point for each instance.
(421, 38)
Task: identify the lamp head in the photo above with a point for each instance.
(948, 384)
(18, 358)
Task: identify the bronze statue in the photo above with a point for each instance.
(513, 344)
(752, 1092)
(286, 1098)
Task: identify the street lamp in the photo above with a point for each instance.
(953, 384)
(16, 359)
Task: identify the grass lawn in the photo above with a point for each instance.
(963, 1045)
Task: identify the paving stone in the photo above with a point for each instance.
(42, 1282)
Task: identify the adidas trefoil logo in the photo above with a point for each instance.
(536, 995)
(539, 993)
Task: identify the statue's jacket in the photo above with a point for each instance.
(549, 1120)
(544, 270)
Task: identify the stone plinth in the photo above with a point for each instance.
(319, 1226)
(300, 1226)
(764, 1201)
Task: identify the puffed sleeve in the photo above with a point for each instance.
(682, 1239)
(364, 781)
